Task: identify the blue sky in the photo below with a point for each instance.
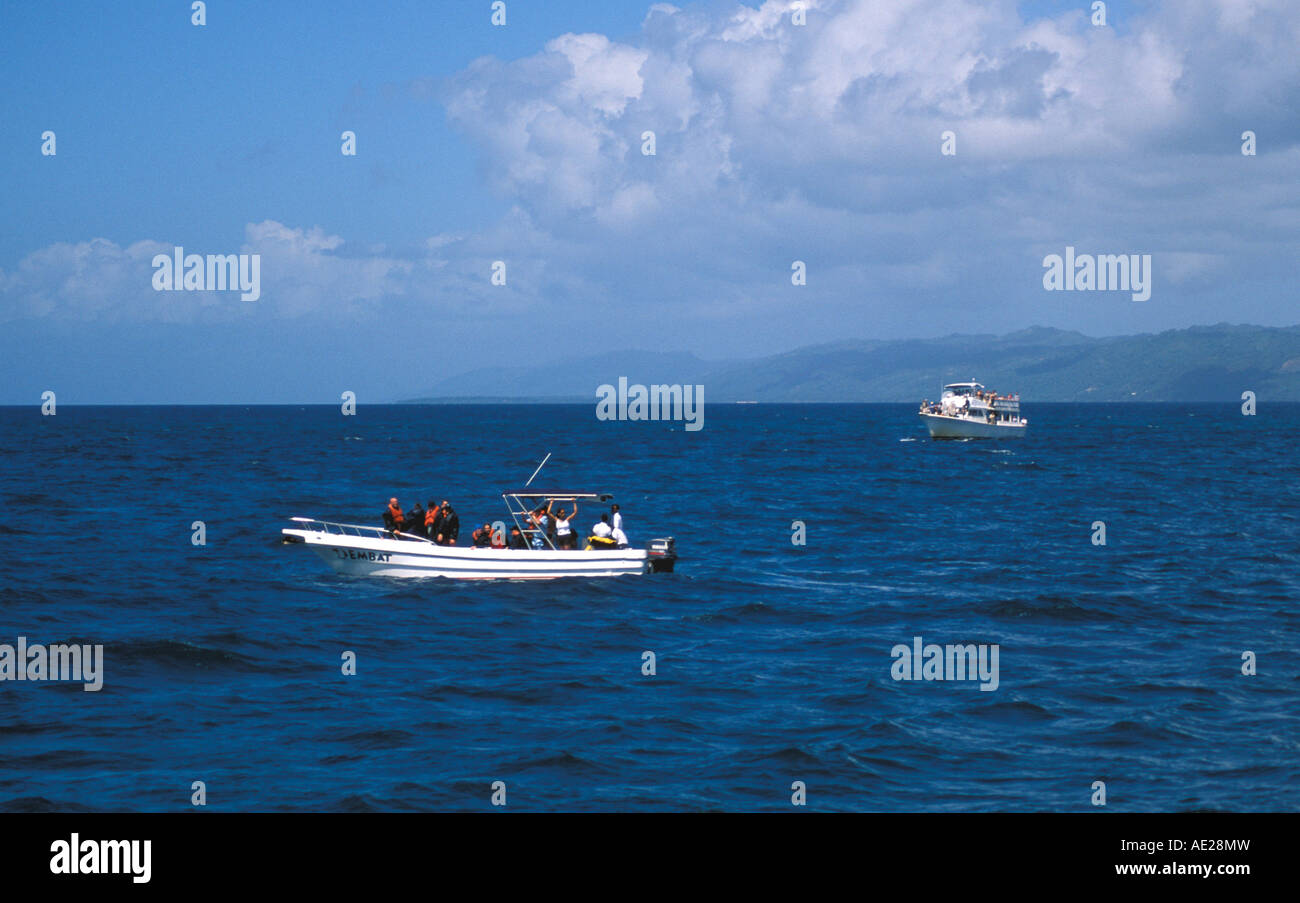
(522, 143)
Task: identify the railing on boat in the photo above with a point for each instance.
(324, 526)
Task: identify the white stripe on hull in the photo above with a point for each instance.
(364, 556)
(942, 427)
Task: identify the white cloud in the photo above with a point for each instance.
(605, 75)
(819, 142)
(844, 114)
(302, 270)
(862, 81)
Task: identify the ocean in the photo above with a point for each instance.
(774, 662)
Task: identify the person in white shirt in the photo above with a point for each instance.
(601, 535)
(565, 538)
(619, 537)
(616, 517)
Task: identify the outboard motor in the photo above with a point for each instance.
(662, 555)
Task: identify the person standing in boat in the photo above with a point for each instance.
(565, 538)
(616, 519)
(393, 519)
(447, 527)
(538, 529)
(430, 520)
(414, 522)
(546, 526)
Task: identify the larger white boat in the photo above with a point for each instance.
(969, 411)
(374, 551)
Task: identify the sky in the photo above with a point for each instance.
(522, 144)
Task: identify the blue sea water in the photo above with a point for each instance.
(1118, 663)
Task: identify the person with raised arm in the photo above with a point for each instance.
(565, 538)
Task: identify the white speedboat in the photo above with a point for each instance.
(969, 411)
(374, 551)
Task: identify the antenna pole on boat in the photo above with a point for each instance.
(538, 470)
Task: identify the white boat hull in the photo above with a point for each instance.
(379, 557)
(942, 426)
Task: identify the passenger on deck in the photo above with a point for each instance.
(483, 537)
(393, 516)
(601, 537)
(517, 540)
(565, 538)
(430, 519)
(619, 537)
(545, 524)
(447, 526)
(615, 517)
(415, 520)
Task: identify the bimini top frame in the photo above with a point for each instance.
(523, 502)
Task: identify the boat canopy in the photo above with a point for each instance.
(970, 385)
(547, 494)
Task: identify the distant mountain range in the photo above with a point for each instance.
(1201, 363)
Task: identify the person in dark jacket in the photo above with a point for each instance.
(483, 537)
(415, 520)
(517, 540)
(447, 526)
